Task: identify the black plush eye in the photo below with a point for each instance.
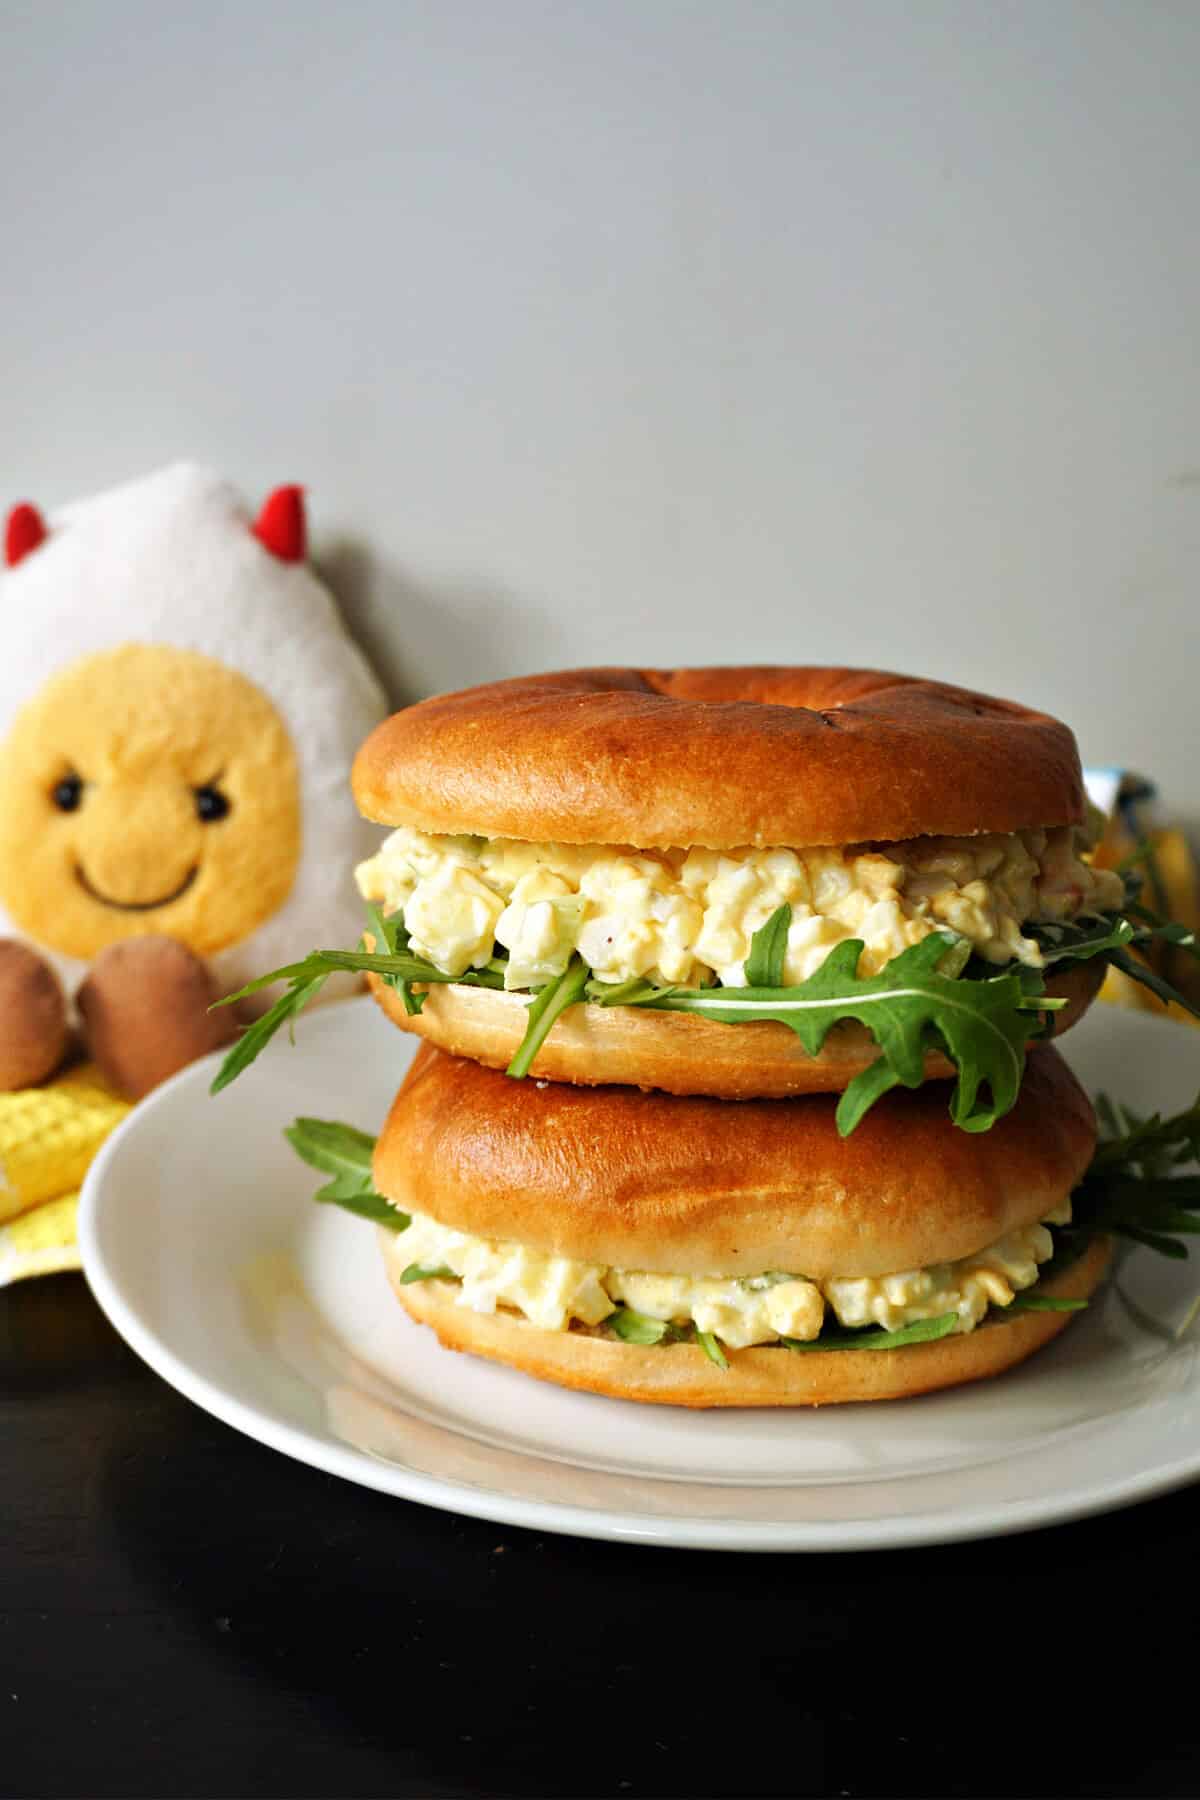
(211, 804)
(67, 793)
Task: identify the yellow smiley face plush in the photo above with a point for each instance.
(147, 789)
(179, 707)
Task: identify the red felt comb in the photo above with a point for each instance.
(25, 530)
(280, 526)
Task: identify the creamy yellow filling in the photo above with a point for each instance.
(688, 916)
(553, 1291)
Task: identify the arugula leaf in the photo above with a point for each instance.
(345, 1153)
(1161, 1205)
(1153, 1240)
(912, 1005)
(366, 1205)
(708, 1343)
(860, 1095)
(546, 1006)
(1069, 942)
(1180, 937)
(637, 1328)
(1150, 978)
(332, 1147)
(874, 1337)
(634, 992)
(1146, 1145)
(257, 1036)
(768, 948)
(1032, 1301)
(1136, 924)
(979, 1019)
(416, 1272)
(306, 979)
(933, 996)
(1114, 1123)
(391, 935)
(1111, 936)
(1135, 1187)
(404, 964)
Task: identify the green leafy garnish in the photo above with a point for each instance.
(1140, 971)
(1136, 925)
(418, 1272)
(1145, 1144)
(398, 967)
(1079, 943)
(391, 938)
(1180, 937)
(1136, 1186)
(257, 1036)
(637, 1328)
(545, 1008)
(914, 1004)
(1110, 935)
(711, 1348)
(341, 1151)
(403, 964)
(768, 948)
(634, 992)
(1031, 1301)
(874, 1337)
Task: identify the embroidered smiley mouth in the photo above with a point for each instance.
(137, 905)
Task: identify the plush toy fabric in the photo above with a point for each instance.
(48, 1137)
(179, 706)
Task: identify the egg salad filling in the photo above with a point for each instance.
(934, 945)
(688, 917)
(555, 1292)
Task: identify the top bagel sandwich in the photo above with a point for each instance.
(875, 879)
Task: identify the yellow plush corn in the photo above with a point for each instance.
(49, 1135)
(41, 1241)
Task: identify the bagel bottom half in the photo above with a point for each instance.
(675, 1052)
(682, 1375)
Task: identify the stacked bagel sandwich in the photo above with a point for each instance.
(735, 988)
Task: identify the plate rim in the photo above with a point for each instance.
(661, 1530)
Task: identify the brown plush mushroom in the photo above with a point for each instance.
(33, 1017)
(145, 1012)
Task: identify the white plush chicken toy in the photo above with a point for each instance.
(179, 707)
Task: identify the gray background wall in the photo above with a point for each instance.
(652, 331)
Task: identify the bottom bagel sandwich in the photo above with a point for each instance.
(700, 1252)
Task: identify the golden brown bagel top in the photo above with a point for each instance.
(698, 1186)
(719, 758)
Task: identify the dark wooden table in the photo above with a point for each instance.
(184, 1612)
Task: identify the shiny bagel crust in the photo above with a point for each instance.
(681, 1374)
(701, 1186)
(721, 758)
(676, 1052)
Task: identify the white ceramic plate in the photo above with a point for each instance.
(202, 1245)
